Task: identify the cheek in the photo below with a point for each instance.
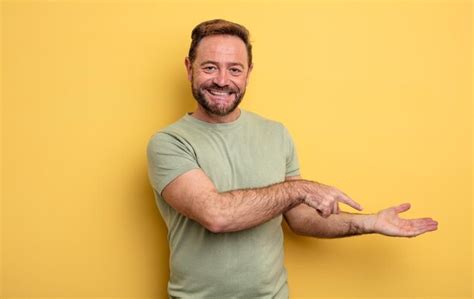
(200, 80)
(240, 83)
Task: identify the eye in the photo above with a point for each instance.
(209, 68)
(235, 71)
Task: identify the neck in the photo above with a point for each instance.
(201, 114)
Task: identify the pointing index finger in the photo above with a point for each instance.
(350, 202)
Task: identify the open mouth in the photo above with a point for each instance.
(219, 93)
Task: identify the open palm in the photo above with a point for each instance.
(389, 223)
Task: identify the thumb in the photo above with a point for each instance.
(402, 208)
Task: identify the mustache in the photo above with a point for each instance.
(216, 87)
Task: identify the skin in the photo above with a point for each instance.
(220, 63)
(219, 76)
(305, 221)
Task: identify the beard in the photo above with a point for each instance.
(216, 108)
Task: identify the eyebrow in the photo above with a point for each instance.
(216, 63)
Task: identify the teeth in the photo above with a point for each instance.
(218, 93)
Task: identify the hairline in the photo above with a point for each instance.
(227, 35)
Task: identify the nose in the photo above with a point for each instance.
(221, 78)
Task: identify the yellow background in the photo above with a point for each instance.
(376, 94)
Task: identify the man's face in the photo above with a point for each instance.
(219, 73)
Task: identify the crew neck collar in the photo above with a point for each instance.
(218, 126)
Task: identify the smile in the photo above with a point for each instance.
(218, 93)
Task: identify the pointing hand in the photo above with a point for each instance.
(325, 199)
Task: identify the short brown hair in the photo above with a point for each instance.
(217, 27)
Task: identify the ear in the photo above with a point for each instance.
(248, 73)
(250, 69)
(189, 68)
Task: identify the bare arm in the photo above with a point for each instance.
(195, 196)
(304, 220)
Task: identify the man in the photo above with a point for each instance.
(224, 179)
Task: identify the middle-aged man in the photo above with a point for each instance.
(224, 179)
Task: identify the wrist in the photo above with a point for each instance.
(300, 190)
(368, 223)
(288, 191)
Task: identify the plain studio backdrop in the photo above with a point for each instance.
(377, 95)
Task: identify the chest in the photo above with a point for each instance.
(242, 161)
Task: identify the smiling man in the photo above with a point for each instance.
(220, 78)
(225, 178)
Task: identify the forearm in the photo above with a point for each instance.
(195, 196)
(245, 208)
(309, 223)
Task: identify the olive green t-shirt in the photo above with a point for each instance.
(246, 153)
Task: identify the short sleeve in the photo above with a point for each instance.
(292, 163)
(168, 158)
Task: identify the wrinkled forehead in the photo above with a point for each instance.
(222, 49)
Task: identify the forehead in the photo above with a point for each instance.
(222, 48)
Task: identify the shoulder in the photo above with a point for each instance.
(174, 133)
(257, 119)
(269, 128)
(177, 130)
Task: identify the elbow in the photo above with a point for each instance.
(216, 219)
(296, 230)
(216, 224)
(292, 226)
(215, 228)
